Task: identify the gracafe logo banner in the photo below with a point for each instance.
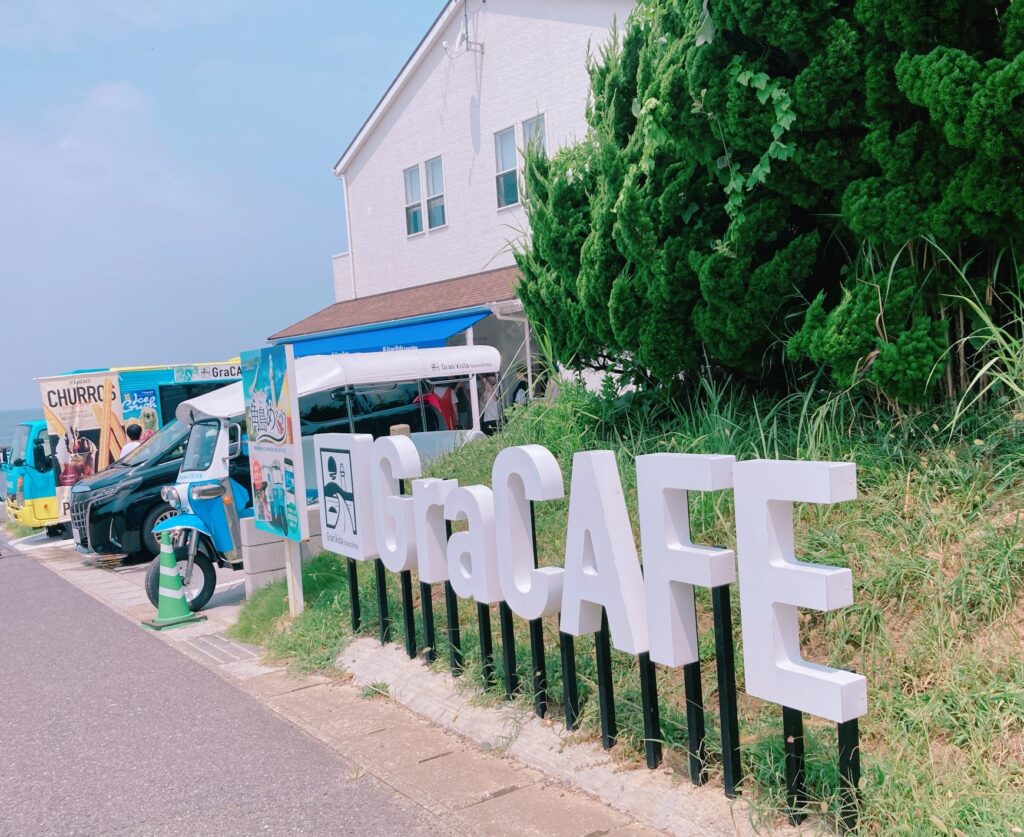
(364, 516)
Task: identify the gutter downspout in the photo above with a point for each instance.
(512, 312)
(348, 235)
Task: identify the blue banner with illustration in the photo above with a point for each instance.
(275, 442)
(141, 407)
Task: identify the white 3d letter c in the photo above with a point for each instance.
(520, 475)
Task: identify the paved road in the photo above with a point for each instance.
(105, 729)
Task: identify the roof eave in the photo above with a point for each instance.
(412, 63)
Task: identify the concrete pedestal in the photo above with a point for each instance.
(263, 555)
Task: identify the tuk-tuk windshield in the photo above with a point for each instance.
(162, 443)
(202, 445)
(19, 445)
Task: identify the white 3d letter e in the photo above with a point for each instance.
(773, 584)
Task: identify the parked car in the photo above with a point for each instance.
(114, 512)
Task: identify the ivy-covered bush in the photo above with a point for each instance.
(769, 179)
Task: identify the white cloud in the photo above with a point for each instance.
(61, 24)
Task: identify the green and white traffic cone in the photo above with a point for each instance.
(172, 608)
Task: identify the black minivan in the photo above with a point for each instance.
(114, 512)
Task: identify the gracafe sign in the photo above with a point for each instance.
(364, 516)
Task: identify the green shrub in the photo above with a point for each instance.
(786, 175)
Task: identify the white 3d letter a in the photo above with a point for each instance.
(601, 564)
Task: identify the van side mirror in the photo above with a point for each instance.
(234, 441)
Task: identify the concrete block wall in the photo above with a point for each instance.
(263, 554)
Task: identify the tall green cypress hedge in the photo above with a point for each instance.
(772, 179)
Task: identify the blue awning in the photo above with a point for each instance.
(421, 333)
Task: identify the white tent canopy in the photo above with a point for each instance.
(317, 373)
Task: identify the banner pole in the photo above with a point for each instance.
(293, 573)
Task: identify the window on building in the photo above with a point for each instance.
(413, 201)
(435, 194)
(533, 134)
(505, 161)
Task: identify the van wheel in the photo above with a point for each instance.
(200, 587)
(156, 515)
(55, 531)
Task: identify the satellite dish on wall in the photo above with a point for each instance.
(463, 43)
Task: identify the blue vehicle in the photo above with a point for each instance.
(31, 495)
(212, 494)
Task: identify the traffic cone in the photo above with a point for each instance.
(172, 609)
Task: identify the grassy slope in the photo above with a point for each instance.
(934, 543)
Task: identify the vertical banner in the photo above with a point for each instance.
(83, 415)
(275, 442)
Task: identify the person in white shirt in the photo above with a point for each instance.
(134, 433)
(488, 393)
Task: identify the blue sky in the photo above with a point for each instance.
(165, 171)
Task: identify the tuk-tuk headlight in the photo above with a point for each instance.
(169, 494)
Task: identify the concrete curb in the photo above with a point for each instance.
(653, 797)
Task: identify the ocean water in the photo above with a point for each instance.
(9, 419)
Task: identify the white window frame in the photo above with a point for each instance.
(543, 134)
(499, 173)
(430, 197)
(418, 203)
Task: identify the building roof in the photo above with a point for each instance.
(448, 11)
(471, 291)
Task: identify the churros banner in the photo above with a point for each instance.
(84, 419)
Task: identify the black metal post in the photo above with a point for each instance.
(649, 701)
(540, 669)
(508, 650)
(726, 662)
(382, 602)
(849, 772)
(696, 749)
(429, 635)
(570, 688)
(451, 608)
(353, 594)
(408, 613)
(483, 618)
(793, 735)
(605, 690)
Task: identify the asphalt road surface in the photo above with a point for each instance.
(104, 729)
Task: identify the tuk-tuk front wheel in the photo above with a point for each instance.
(200, 587)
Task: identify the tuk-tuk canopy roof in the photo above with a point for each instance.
(318, 373)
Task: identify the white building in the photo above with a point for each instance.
(432, 181)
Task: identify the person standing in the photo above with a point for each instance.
(134, 433)
(490, 413)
